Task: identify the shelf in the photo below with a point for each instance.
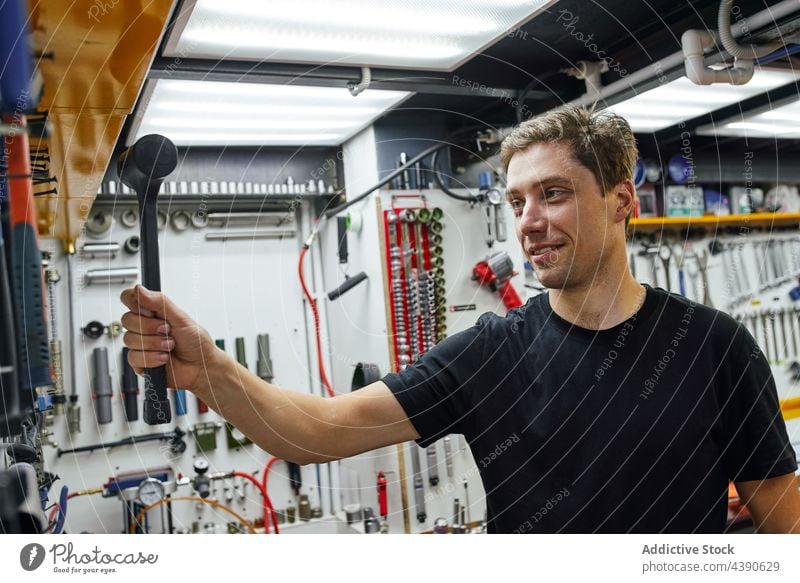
(99, 57)
(649, 225)
(214, 202)
(790, 408)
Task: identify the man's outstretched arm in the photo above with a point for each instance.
(773, 503)
(293, 426)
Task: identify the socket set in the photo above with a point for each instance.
(416, 278)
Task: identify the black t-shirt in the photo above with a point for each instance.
(637, 428)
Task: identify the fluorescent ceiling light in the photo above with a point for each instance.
(680, 100)
(780, 121)
(203, 113)
(417, 34)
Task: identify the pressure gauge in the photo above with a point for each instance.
(201, 465)
(151, 491)
(494, 196)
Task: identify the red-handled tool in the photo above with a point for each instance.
(33, 348)
(496, 273)
(383, 505)
(201, 406)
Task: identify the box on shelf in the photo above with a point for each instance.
(684, 201)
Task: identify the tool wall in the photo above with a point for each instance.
(361, 328)
(237, 289)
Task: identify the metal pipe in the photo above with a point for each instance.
(254, 217)
(95, 249)
(676, 59)
(265, 234)
(73, 410)
(102, 386)
(112, 275)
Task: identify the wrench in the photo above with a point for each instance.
(774, 326)
(665, 254)
(702, 262)
(143, 168)
(680, 255)
(748, 287)
(755, 327)
(763, 277)
(763, 316)
(730, 276)
(793, 318)
(782, 314)
(650, 252)
(693, 270)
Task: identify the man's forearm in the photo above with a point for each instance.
(288, 424)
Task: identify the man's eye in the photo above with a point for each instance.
(516, 205)
(552, 193)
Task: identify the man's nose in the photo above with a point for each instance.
(534, 218)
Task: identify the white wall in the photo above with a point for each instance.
(233, 288)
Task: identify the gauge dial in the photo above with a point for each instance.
(151, 491)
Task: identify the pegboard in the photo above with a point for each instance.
(358, 325)
(234, 288)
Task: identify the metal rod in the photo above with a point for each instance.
(270, 234)
(112, 275)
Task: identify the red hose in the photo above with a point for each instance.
(323, 375)
(57, 507)
(267, 503)
(267, 468)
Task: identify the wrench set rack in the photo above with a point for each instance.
(691, 266)
(776, 331)
(751, 266)
(416, 278)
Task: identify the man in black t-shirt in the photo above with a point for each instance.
(633, 428)
(600, 406)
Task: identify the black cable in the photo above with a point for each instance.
(521, 99)
(389, 177)
(440, 183)
(419, 157)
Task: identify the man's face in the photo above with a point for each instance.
(563, 221)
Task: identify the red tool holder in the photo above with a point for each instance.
(396, 238)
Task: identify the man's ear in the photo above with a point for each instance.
(625, 194)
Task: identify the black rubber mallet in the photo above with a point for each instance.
(143, 168)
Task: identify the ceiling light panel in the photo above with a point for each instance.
(781, 121)
(681, 100)
(417, 34)
(203, 113)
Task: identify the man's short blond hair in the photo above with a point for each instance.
(601, 141)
